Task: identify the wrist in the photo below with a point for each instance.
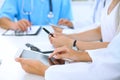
(70, 43)
(84, 57)
(12, 25)
(74, 45)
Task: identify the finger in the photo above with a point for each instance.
(50, 61)
(19, 59)
(28, 23)
(51, 35)
(22, 26)
(55, 28)
(59, 61)
(61, 21)
(62, 61)
(59, 56)
(56, 61)
(57, 51)
(58, 30)
(57, 34)
(23, 60)
(66, 22)
(51, 39)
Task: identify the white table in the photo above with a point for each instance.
(11, 70)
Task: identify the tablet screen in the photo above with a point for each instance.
(35, 55)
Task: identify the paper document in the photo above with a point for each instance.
(34, 30)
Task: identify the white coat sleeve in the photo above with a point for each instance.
(105, 66)
(74, 71)
(112, 51)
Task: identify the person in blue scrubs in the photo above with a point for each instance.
(33, 12)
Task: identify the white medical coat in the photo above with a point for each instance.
(105, 62)
(109, 22)
(105, 66)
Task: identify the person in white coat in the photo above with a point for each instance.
(104, 66)
(99, 64)
(87, 40)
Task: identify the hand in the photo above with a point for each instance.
(65, 22)
(60, 40)
(21, 25)
(53, 61)
(57, 29)
(65, 53)
(32, 66)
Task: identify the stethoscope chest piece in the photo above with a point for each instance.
(50, 15)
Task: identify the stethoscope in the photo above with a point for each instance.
(29, 12)
(50, 14)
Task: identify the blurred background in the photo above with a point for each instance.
(83, 11)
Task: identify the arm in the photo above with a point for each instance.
(66, 14)
(90, 35)
(37, 67)
(91, 45)
(61, 40)
(32, 66)
(68, 53)
(8, 13)
(65, 22)
(19, 25)
(6, 23)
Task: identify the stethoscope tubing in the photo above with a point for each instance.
(50, 14)
(50, 6)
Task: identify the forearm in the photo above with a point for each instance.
(91, 35)
(83, 57)
(5, 23)
(42, 73)
(91, 45)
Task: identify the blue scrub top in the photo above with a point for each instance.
(39, 12)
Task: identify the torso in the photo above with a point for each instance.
(109, 22)
(40, 11)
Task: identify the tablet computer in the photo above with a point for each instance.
(22, 53)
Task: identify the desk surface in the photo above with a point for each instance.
(11, 70)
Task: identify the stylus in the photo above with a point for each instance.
(47, 32)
